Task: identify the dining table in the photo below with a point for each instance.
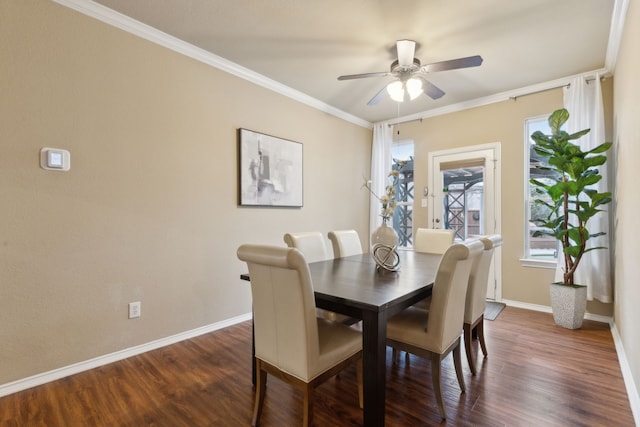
(354, 286)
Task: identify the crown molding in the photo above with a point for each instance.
(498, 97)
(618, 16)
(137, 28)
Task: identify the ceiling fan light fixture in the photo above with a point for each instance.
(396, 91)
(405, 67)
(406, 50)
(414, 88)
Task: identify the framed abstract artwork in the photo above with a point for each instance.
(270, 170)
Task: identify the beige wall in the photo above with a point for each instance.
(148, 211)
(627, 222)
(504, 123)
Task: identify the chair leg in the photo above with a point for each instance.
(480, 329)
(261, 387)
(308, 406)
(457, 363)
(437, 383)
(467, 347)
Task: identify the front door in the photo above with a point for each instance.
(465, 197)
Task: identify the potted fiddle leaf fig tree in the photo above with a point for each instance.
(571, 201)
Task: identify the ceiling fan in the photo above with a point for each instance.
(409, 73)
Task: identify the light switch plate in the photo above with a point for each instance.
(55, 159)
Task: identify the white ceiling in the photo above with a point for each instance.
(306, 44)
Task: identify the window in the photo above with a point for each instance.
(463, 197)
(544, 248)
(402, 155)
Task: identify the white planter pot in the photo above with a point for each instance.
(568, 304)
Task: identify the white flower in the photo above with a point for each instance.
(387, 200)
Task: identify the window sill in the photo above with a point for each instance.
(538, 263)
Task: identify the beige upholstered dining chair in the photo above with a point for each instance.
(314, 247)
(345, 243)
(435, 333)
(291, 343)
(311, 243)
(477, 297)
(433, 241)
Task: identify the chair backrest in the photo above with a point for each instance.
(446, 314)
(479, 279)
(311, 243)
(345, 243)
(284, 311)
(433, 241)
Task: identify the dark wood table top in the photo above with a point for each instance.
(354, 281)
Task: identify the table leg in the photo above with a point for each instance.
(374, 336)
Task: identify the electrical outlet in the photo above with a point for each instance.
(134, 309)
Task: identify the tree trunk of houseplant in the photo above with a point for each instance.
(568, 304)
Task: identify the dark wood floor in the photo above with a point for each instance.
(537, 374)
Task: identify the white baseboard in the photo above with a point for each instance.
(632, 390)
(629, 383)
(45, 377)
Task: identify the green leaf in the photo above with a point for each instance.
(602, 233)
(590, 180)
(538, 183)
(601, 148)
(541, 233)
(556, 191)
(579, 134)
(543, 203)
(598, 199)
(573, 251)
(595, 161)
(557, 119)
(576, 236)
(593, 249)
(540, 139)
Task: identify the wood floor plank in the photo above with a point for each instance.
(537, 374)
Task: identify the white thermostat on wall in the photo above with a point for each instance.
(55, 159)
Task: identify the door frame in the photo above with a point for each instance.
(491, 153)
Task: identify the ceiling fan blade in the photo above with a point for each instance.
(378, 97)
(364, 75)
(431, 90)
(406, 49)
(469, 61)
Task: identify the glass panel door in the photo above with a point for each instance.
(464, 197)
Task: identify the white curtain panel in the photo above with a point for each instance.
(583, 100)
(380, 166)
